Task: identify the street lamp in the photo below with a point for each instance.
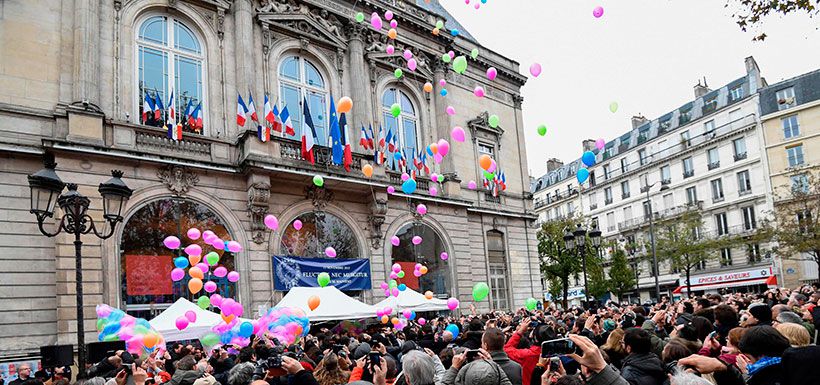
(45, 185)
(652, 233)
(576, 241)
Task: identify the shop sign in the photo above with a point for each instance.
(731, 276)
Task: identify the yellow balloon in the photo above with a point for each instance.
(392, 33)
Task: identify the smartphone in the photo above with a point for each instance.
(558, 347)
(713, 334)
(375, 359)
(338, 348)
(555, 364)
(472, 354)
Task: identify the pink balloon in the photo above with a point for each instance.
(471, 185)
(457, 134)
(444, 256)
(452, 304)
(271, 222)
(422, 321)
(391, 189)
(417, 273)
(394, 24)
(405, 176)
(181, 323)
(452, 54)
(535, 69)
(450, 110)
(443, 147)
(217, 243)
(238, 309)
(434, 177)
(208, 234)
(388, 310)
(421, 209)
(379, 313)
(598, 11)
(407, 54)
(171, 242)
(394, 292)
(202, 266)
(478, 91)
(216, 300)
(493, 166)
(393, 275)
(600, 144)
(385, 286)
(297, 224)
(177, 274)
(233, 276)
(417, 240)
(438, 158)
(210, 287)
(190, 315)
(234, 246)
(390, 49)
(395, 241)
(492, 73)
(220, 271)
(412, 65)
(376, 21)
(433, 190)
(193, 249)
(388, 15)
(407, 313)
(330, 252)
(193, 233)
(442, 82)
(396, 267)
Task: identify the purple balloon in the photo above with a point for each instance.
(444, 256)
(193, 249)
(193, 233)
(234, 247)
(391, 189)
(216, 300)
(177, 274)
(395, 241)
(417, 240)
(202, 266)
(471, 185)
(210, 287)
(171, 242)
(233, 276)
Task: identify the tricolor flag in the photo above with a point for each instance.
(363, 140)
(187, 114)
(402, 160)
(284, 117)
(263, 132)
(378, 155)
(241, 110)
(252, 108)
(391, 146)
(381, 138)
(308, 137)
(174, 130)
(348, 152)
(277, 118)
(423, 161)
(159, 110)
(503, 180)
(172, 113)
(270, 114)
(371, 137)
(196, 117)
(147, 107)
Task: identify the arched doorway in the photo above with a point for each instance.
(428, 253)
(319, 230)
(147, 262)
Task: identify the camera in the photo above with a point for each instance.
(558, 347)
(472, 354)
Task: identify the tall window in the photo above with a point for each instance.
(606, 172)
(406, 125)
(593, 200)
(725, 256)
(320, 230)
(744, 182)
(722, 224)
(753, 251)
(624, 165)
(427, 253)
(497, 256)
(800, 183)
(739, 147)
(666, 175)
(688, 167)
(795, 155)
(625, 189)
(691, 195)
(708, 128)
(736, 93)
(790, 127)
(717, 190)
(749, 221)
(610, 221)
(299, 80)
(642, 156)
(713, 157)
(607, 195)
(169, 57)
(627, 213)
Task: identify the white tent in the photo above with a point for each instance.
(165, 322)
(413, 300)
(333, 305)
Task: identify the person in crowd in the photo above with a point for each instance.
(493, 342)
(614, 348)
(527, 357)
(797, 335)
(482, 370)
(328, 372)
(641, 366)
(418, 368)
(759, 314)
(186, 373)
(23, 374)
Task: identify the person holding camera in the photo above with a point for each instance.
(641, 366)
(527, 358)
(474, 367)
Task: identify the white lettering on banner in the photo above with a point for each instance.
(733, 276)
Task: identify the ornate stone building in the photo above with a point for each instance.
(73, 80)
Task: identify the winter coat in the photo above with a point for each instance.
(800, 365)
(479, 372)
(472, 340)
(511, 368)
(185, 377)
(608, 376)
(527, 358)
(643, 369)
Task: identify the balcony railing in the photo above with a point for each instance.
(422, 183)
(717, 199)
(607, 201)
(740, 156)
(688, 173)
(669, 213)
(714, 165)
(665, 182)
(625, 195)
(745, 191)
(593, 206)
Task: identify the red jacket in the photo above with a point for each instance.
(527, 358)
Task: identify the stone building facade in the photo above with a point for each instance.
(73, 77)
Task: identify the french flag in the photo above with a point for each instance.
(287, 122)
(174, 129)
(270, 116)
(363, 140)
(277, 119)
(370, 138)
(159, 109)
(391, 146)
(147, 107)
(263, 131)
(196, 117)
(187, 114)
(241, 110)
(252, 109)
(308, 138)
(347, 158)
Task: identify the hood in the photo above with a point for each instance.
(648, 363)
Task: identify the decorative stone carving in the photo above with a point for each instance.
(327, 21)
(517, 101)
(356, 31)
(258, 200)
(378, 213)
(172, 3)
(304, 44)
(319, 196)
(220, 23)
(267, 39)
(178, 179)
(277, 6)
(481, 124)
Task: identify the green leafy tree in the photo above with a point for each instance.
(557, 264)
(796, 220)
(621, 275)
(597, 282)
(749, 14)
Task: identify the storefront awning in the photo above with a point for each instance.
(756, 276)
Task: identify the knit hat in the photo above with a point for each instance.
(762, 312)
(609, 325)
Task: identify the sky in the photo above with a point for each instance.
(646, 55)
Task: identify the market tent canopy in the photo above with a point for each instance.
(413, 300)
(334, 305)
(165, 322)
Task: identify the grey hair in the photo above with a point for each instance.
(241, 374)
(789, 317)
(418, 368)
(685, 378)
(94, 381)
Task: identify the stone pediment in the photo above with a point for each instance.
(481, 124)
(397, 61)
(318, 25)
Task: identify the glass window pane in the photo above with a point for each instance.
(155, 30)
(318, 111)
(320, 230)
(188, 84)
(291, 98)
(312, 75)
(407, 106)
(390, 123)
(409, 140)
(290, 68)
(427, 253)
(184, 39)
(388, 98)
(153, 75)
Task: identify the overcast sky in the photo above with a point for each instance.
(644, 54)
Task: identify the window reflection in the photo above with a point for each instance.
(405, 126)
(299, 80)
(427, 253)
(320, 230)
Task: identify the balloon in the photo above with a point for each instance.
(233, 276)
(444, 256)
(388, 15)
(344, 105)
(359, 17)
(582, 175)
(613, 107)
(598, 12)
(313, 302)
(493, 166)
(485, 161)
(385, 319)
(443, 92)
(432, 190)
(450, 110)
(234, 246)
(395, 110)
(474, 53)
(535, 69)
(193, 233)
(407, 313)
(493, 121)
(202, 266)
(194, 259)
(409, 186)
(588, 158)
(412, 64)
(171, 242)
(439, 24)
(297, 224)
(407, 54)
(246, 329)
(177, 274)
(330, 252)
(203, 302)
(452, 303)
(392, 33)
(390, 49)
(196, 272)
(405, 176)
(195, 285)
(402, 287)
(216, 300)
(443, 147)
(428, 294)
(398, 73)
(460, 64)
(367, 170)
(218, 244)
(471, 185)
(400, 274)
(600, 144)
(417, 240)
(428, 87)
(442, 82)
(446, 58)
(181, 262)
(376, 21)
(271, 222)
(435, 31)
(542, 130)
(422, 321)
(416, 273)
(423, 270)
(190, 315)
(421, 209)
(453, 329)
(318, 181)
(457, 133)
(492, 73)
(193, 249)
(210, 339)
(150, 340)
(478, 91)
(391, 189)
(480, 291)
(531, 303)
(210, 287)
(323, 279)
(220, 271)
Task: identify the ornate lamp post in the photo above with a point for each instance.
(652, 233)
(45, 187)
(576, 240)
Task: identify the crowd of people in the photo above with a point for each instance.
(731, 339)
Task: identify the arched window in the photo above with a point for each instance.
(405, 126)
(146, 264)
(299, 80)
(319, 230)
(497, 256)
(170, 57)
(428, 253)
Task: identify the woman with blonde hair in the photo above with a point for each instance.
(797, 335)
(614, 347)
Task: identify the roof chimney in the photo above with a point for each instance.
(553, 164)
(701, 89)
(588, 145)
(638, 120)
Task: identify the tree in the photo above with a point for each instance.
(621, 276)
(750, 13)
(557, 263)
(796, 224)
(597, 282)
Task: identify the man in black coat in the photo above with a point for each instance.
(23, 374)
(493, 342)
(641, 367)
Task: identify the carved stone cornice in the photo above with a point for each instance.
(378, 214)
(258, 205)
(178, 179)
(356, 32)
(303, 21)
(481, 125)
(319, 196)
(267, 39)
(518, 100)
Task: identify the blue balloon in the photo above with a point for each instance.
(588, 158)
(412, 315)
(181, 262)
(402, 287)
(246, 329)
(454, 32)
(582, 175)
(453, 329)
(443, 92)
(429, 150)
(409, 186)
(397, 156)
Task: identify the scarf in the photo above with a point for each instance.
(764, 362)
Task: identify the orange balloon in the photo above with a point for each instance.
(428, 294)
(194, 259)
(385, 319)
(435, 31)
(227, 319)
(428, 87)
(434, 148)
(150, 340)
(195, 285)
(196, 272)
(392, 33)
(395, 321)
(313, 302)
(344, 105)
(485, 161)
(423, 270)
(367, 170)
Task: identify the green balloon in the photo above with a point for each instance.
(531, 303)
(400, 274)
(439, 24)
(139, 329)
(542, 130)
(203, 302)
(613, 107)
(493, 120)
(212, 258)
(323, 279)
(359, 17)
(474, 53)
(480, 291)
(489, 175)
(398, 73)
(460, 64)
(101, 323)
(446, 58)
(111, 337)
(210, 339)
(393, 283)
(395, 110)
(318, 181)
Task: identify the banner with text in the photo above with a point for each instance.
(345, 274)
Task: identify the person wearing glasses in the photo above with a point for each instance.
(23, 374)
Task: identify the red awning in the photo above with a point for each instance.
(771, 281)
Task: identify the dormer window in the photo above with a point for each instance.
(785, 98)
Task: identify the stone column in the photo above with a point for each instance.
(86, 51)
(442, 124)
(359, 82)
(244, 52)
